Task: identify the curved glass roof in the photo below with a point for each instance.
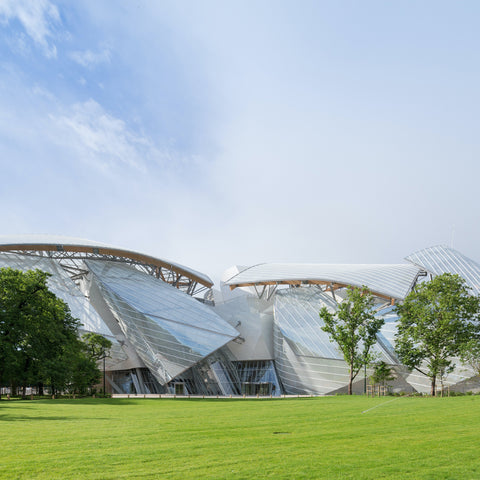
(392, 281)
(43, 239)
(71, 244)
(441, 259)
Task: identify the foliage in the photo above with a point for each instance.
(354, 328)
(382, 373)
(437, 320)
(98, 348)
(85, 374)
(242, 439)
(470, 354)
(39, 341)
(97, 345)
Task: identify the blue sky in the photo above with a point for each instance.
(217, 133)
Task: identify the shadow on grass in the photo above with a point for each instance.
(10, 417)
(26, 418)
(25, 403)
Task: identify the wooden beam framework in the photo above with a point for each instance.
(329, 286)
(71, 256)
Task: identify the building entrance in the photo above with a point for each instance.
(261, 389)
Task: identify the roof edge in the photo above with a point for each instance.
(86, 246)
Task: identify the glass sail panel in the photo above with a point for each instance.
(440, 259)
(62, 286)
(170, 330)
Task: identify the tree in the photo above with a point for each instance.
(85, 374)
(470, 354)
(354, 328)
(437, 319)
(382, 373)
(98, 348)
(96, 345)
(39, 341)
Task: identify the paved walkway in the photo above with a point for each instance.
(221, 397)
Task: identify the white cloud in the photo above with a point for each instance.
(37, 18)
(103, 139)
(44, 93)
(91, 59)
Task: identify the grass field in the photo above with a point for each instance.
(305, 438)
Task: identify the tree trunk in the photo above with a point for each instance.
(350, 380)
(432, 391)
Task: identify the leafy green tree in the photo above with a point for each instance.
(354, 328)
(470, 354)
(39, 340)
(98, 347)
(382, 373)
(13, 294)
(437, 319)
(22, 314)
(85, 374)
(53, 343)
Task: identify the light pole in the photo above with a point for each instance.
(104, 356)
(365, 378)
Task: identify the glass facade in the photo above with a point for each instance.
(265, 339)
(62, 286)
(297, 319)
(307, 360)
(170, 330)
(214, 375)
(258, 377)
(440, 259)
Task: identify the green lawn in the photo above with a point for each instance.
(301, 438)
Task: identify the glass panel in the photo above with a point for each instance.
(439, 259)
(62, 286)
(170, 330)
(258, 377)
(296, 314)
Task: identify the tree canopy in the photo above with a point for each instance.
(470, 354)
(437, 320)
(39, 342)
(97, 345)
(354, 328)
(382, 373)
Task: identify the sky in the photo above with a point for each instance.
(218, 133)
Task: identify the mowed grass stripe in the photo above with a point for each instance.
(301, 438)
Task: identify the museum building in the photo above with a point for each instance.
(258, 333)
